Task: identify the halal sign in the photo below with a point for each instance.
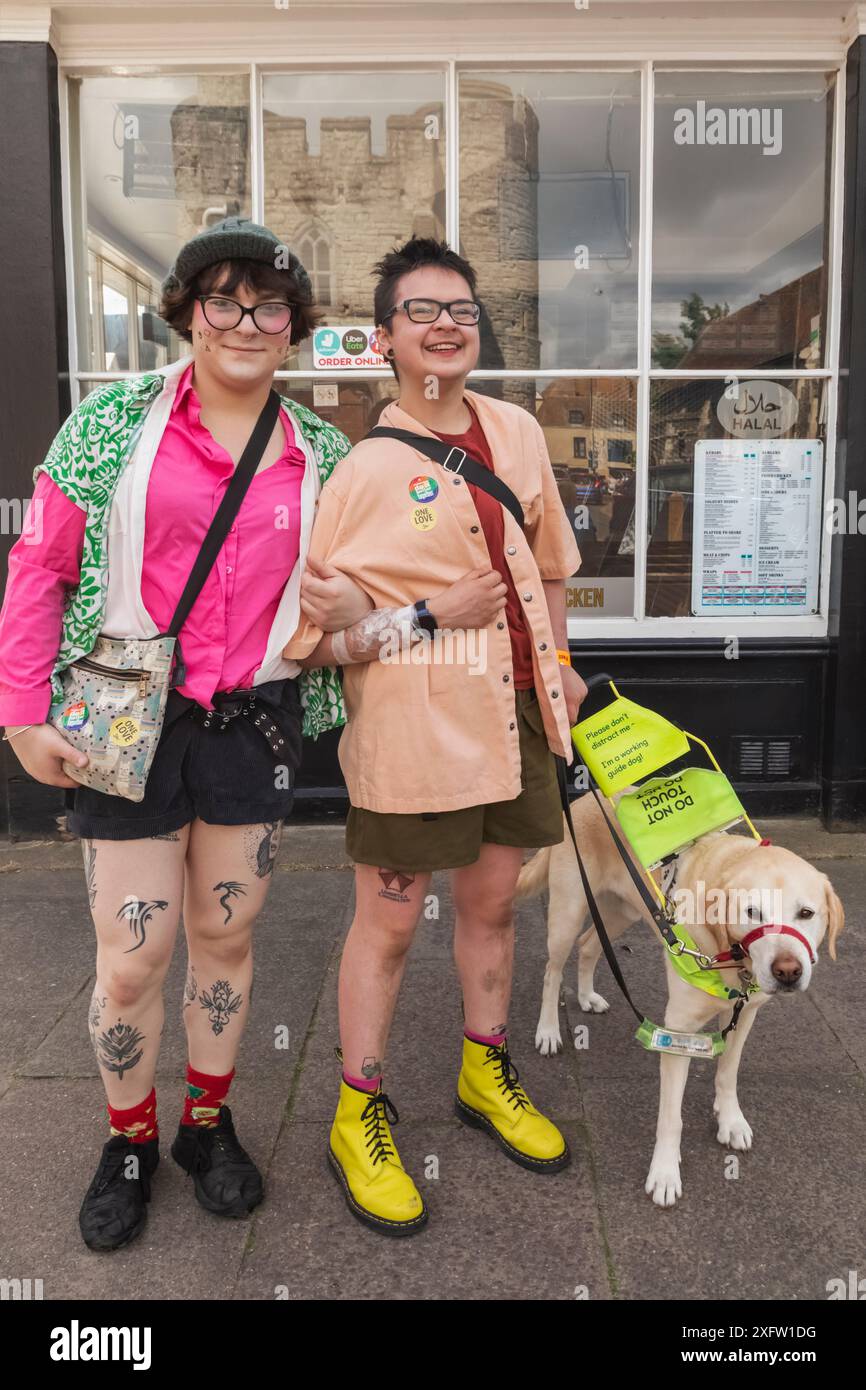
(757, 409)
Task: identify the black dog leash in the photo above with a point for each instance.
(660, 920)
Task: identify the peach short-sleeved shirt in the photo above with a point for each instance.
(440, 734)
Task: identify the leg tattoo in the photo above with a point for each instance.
(261, 847)
(95, 1015)
(138, 914)
(190, 989)
(117, 1049)
(230, 890)
(370, 1067)
(89, 850)
(220, 1003)
(395, 884)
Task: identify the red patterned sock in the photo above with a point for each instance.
(204, 1096)
(138, 1123)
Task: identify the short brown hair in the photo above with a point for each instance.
(176, 305)
(412, 255)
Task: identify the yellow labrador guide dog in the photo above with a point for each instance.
(727, 889)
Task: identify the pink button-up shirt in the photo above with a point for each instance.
(225, 636)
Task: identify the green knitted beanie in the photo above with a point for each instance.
(235, 238)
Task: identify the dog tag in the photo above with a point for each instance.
(656, 1039)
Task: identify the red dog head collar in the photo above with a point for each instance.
(771, 929)
(739, 949)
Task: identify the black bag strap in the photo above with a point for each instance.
(226, 512)
(456, 461)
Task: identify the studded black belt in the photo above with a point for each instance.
(240, 704)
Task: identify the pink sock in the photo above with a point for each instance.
(363, 1083)
(492, 1041)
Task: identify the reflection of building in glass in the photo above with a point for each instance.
(210, 155)
(590, 425)
(348, 205)
(781, 329)
(499, 162)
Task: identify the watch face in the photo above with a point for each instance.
(424, 618)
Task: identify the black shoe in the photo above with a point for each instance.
(227, 1182)
(114, 1209)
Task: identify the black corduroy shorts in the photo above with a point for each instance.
(224, 776)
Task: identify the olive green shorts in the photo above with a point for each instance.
(451, 839)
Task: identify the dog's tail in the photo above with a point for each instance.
(533, 875)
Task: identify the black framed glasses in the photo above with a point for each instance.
(222, 313)
(428, 310)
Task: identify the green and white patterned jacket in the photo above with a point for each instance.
(118, 425)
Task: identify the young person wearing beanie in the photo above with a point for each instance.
(449, 761)
(125, 496)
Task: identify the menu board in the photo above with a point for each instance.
(757, 525)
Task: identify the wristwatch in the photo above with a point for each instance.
(423, 620)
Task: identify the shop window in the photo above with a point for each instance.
(734, 517)
(599, 506)
(363, 155)
(740, 219)
(162, 157)
(126, 332)
(549, 179)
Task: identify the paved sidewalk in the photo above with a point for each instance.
(794, 1218)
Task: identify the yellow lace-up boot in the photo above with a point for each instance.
(488, 1097)
(377, 1187)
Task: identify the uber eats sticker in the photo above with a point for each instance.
(339, 348)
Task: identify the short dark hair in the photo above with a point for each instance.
(417, 252)
(412, 255)
(177, 305)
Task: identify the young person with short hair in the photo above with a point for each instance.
(449, 762)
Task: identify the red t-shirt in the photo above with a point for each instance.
(492, 524)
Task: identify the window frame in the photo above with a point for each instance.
(638, 627)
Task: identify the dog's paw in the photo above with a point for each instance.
(734, 1131)
(548, 1040)
(663, 1181)
(593, 1003)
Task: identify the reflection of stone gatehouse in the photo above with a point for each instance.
(343, 207)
